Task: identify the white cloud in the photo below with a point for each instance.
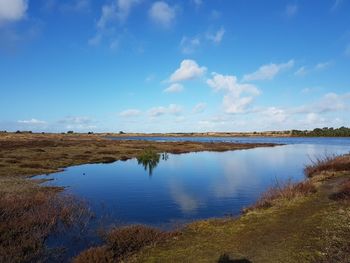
(199, 108)
(130, 113)
(233, 101)
(162, 14)
(217, 37)
(291, 10)
(173, 109)
(173, 88)
(189, 69)
(189, 45)
(269, 71)
(12, 10)
(31, 121)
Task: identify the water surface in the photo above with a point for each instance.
(186, 187)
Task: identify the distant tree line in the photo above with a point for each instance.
(324, 132)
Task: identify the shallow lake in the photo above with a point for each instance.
(186, 187)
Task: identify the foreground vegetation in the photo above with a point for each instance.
(303, 222)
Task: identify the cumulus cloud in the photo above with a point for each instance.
(130, 113)
(269, 71)
(189, 45)
(189, 69)
(173, 109)
(199, 108)
(12, 10)
(174, 88)
(233, 101)
(32, 122)
(291, 10)
(217, 36)
(162, 14)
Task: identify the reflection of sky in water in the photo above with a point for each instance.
(188, 186)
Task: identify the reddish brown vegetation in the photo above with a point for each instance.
(328, 163)
(28, 216)
(123, 242)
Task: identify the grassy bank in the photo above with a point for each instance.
(29, 213)
(304, 222)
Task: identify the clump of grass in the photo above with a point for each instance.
(286, 191)
(328, 163)
(29, 214)
(123, 242)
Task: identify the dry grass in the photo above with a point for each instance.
(286, 191)
(29, 214)
(328, 163)
(123, 242)
(343, 193)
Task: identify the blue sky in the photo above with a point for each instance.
(172, 66)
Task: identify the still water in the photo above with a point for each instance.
(190, 186)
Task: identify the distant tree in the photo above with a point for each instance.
(121, 132)
(90, 132)
(18, 131)
(70, 132)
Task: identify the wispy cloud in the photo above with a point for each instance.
(336, 5)
(162, 14)
(174, 88)
(189, 45)
(217, 36)
(268, 72)
(199, 108)
(172, 109)
(291, 10)
(32, 122)
(114, 12)
(130, 113)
